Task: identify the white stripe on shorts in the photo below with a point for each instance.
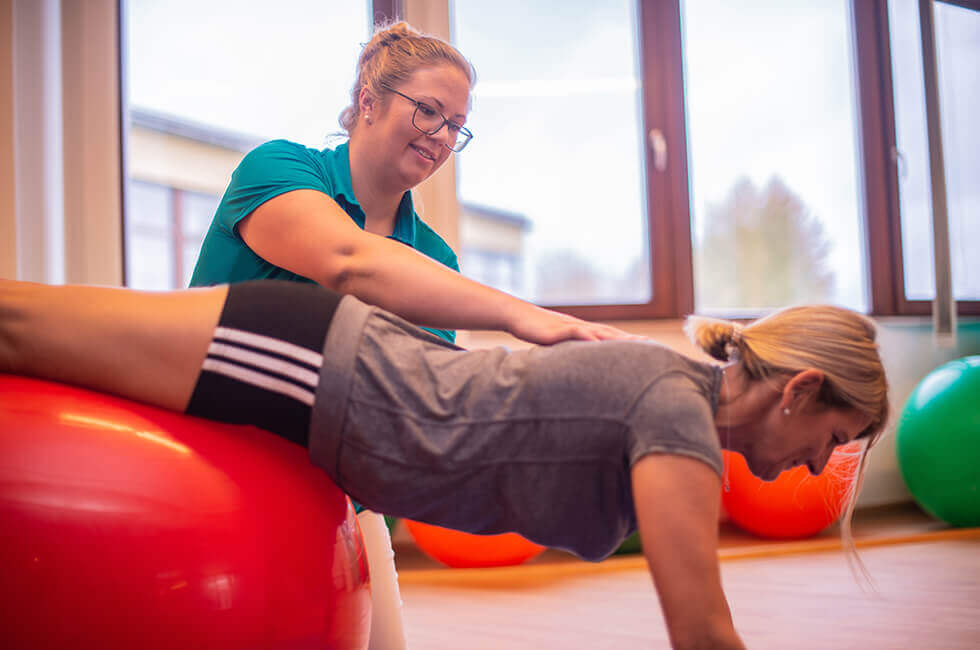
(297, 352)
(264, 361)
(259, 379)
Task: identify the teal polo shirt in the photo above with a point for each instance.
(281, 166)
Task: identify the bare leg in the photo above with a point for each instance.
(145, 346)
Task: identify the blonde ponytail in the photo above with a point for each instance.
(837, 341)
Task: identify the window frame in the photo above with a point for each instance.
(879, 149)
(668, 215)
(668, 204)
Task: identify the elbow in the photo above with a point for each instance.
(344, 269)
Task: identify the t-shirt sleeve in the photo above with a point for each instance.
(674, 417)
(267, 171)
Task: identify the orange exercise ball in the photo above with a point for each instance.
(463, 550)
(795, 505)
(127, 526)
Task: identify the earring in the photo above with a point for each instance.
(786, 411)
(367, 118)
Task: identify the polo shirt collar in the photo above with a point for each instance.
(405, 226)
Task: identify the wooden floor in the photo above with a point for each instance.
(783, 595)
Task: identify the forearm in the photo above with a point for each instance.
(383, 272)
(307, 233)
(676, 501)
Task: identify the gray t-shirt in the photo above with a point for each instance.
(537, 441)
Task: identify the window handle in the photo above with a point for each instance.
(901, 166)
(658, 144)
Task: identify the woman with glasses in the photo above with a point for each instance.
(344, 218)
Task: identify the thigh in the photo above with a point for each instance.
(146, 346)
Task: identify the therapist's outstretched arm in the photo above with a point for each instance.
(306, 232)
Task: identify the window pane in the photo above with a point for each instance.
(773, 154)
(195, 217)
(557, 146)
(208, 81)
(196, 213)
(149, 236)
(958, 60)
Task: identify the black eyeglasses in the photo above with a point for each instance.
(429, 121)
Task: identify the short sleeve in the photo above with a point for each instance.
(267, 171)
(673, 416)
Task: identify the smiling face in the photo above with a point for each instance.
(807, 437)
(405, 155)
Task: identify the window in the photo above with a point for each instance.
(558, 139)
(149, 237)
(493, 249)
(957, 36)
(632, 159)
(773, 155)
(205, 83)
(164, 234)
(749, 147)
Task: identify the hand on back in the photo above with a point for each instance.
(545, 327)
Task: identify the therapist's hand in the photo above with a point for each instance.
(544, 327)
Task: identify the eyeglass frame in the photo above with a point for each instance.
(460, 128)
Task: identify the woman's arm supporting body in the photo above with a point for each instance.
(307, 233)
(677, 506)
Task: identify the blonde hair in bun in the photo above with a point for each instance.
(837, 341)
(392, 56)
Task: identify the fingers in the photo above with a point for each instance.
(608, 333)
(586, 331)
(547, 327)
(599, 332)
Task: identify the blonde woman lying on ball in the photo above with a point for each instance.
(579, 443)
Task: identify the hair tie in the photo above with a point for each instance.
(737, 331)
(733, 347)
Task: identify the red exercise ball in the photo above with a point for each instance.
(463, 550)
(127, 526)
(796, 504)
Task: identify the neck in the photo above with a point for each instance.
(380, 203)
(741, 404)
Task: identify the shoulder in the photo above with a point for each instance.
(428, 241)
(277, 164)
(674, 413)
(279, 151)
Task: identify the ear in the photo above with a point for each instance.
(366, 101)
(803, 386)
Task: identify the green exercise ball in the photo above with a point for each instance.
(938, 441)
